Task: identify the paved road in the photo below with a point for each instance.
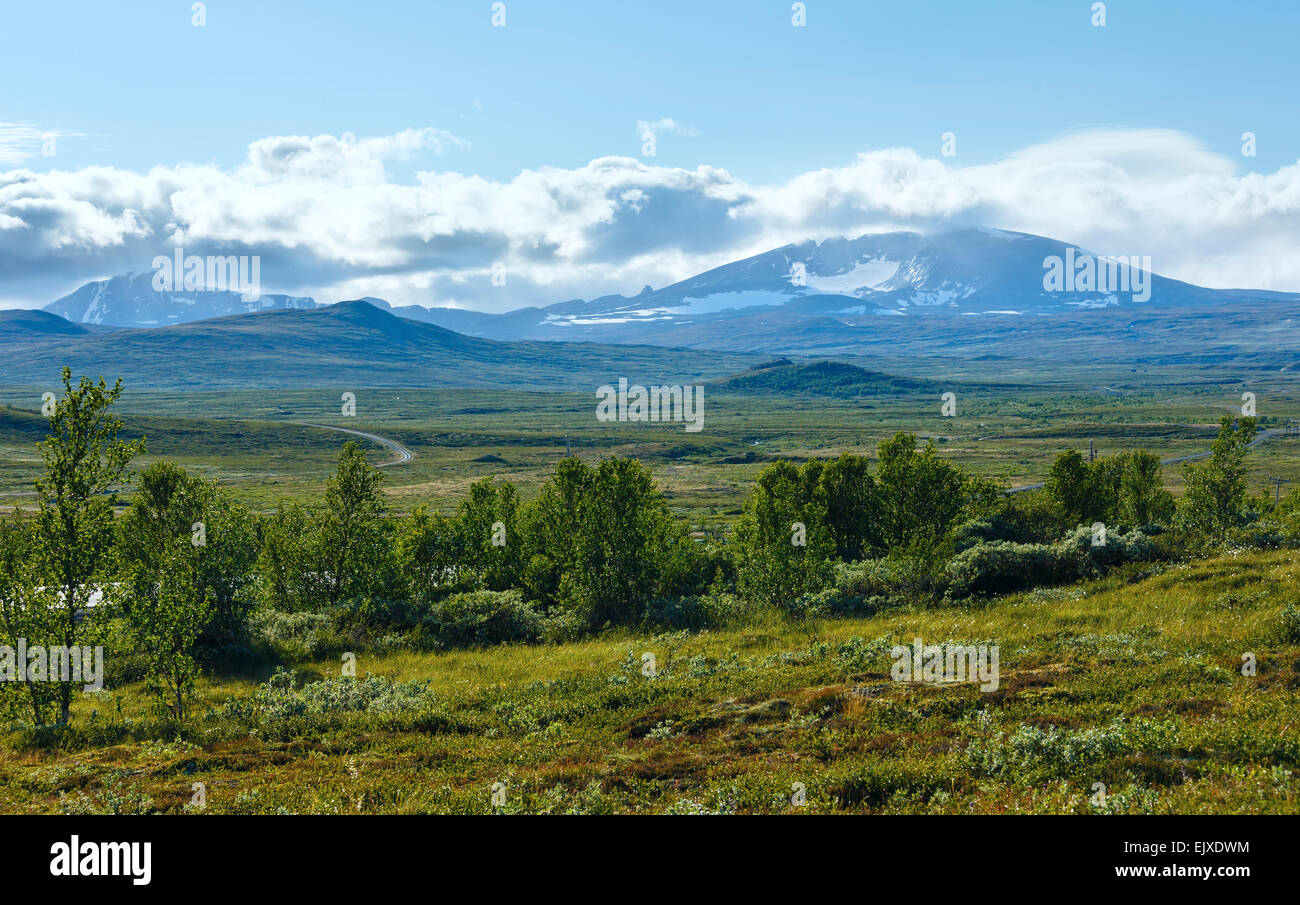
(404, 455)
(1259, 438)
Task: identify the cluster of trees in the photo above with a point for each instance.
(1128, 488)
(919, 511)
(1125, 488)
(596, 543)
(798, 521)
(184, 567)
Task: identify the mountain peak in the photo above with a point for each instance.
(129, 300)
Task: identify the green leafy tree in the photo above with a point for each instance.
(288, 562)
(352, 543)
(170, 503)
(22, 616)
(550, 523)
(1126, 488)
(490, 540)
(1071, 484)
(1286, 515)
(920, 495)
(1143, 499)
(429, 554)
(170, 606)
(72, 541)
(1214, 499)
(784, 547)
(624, 545)
(849, 494)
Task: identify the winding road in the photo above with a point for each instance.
(404, 455)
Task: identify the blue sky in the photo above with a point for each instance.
(566, 80)
(133, 86)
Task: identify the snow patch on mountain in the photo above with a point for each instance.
(864, 276)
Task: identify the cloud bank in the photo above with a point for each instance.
(329, 219)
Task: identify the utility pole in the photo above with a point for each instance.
(1092, 451)
(1277, 482)
(567, 453)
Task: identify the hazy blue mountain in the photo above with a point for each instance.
(845, 286)
(130, 300)
(21, 325)
(350, 344)
(964, 293)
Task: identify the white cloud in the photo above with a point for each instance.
(22, 141)
(662, 126)
(329, 219)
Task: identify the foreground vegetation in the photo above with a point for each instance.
(1133, 681)
(586, 636)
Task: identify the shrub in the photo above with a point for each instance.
(697, 611)
(1003, 566)
(1094, 559)
(862, 589)
(1037, 752)
(992, 528)
(367, 617)
(485, 617)
(560, 626)
(835, 603)
(280, 698)
(292, 636)
(868, 578)
(1291, 623)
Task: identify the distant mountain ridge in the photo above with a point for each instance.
(349, 344)
(972, 272)
(849, 283)
(967, 292)
(130, 300)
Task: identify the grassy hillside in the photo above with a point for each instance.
(821, 378)
(347, 345)
(1131, 682)
(21, 325)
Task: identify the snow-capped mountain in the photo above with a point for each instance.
(846, 285)
(130, 300)
(831, 290)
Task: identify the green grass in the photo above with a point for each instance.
(244, 439)
(1133, 681)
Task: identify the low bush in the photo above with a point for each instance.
(1001, 567)
(1004, 566)
(290, 637)
(485, 617)
(1291, 623)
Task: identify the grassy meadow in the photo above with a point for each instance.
(248, 441)
(1133, 681)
